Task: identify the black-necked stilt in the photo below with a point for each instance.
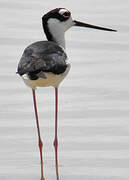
(44, 63)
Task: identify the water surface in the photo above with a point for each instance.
(94, 98)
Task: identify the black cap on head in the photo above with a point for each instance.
(61, 14)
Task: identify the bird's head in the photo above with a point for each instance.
(57, 21)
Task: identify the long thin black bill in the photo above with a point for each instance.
(81, 24)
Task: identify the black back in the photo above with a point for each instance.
(42, 56)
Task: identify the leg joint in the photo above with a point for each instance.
(40, 143)
(55, 143)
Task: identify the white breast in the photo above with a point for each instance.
(50, 80)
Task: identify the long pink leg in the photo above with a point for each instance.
(56, 138)
(39, 136)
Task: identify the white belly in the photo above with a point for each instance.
(50, 80)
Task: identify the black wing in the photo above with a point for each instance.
(42, 56)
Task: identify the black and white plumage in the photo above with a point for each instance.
(44, 63)
(42, 56)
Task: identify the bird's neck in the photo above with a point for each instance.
(54, 32)
(59, 39)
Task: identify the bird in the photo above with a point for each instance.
(45, 63)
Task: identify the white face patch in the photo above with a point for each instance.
(58, 28)
(57, 25)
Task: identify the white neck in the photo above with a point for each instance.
(57, 31)
(59, 39)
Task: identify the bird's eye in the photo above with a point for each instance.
(66, 14)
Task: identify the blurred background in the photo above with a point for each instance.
(94, 98)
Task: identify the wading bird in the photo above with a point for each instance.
(44, 63)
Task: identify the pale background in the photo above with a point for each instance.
(94, 98)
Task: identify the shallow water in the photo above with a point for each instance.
(94, 98)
